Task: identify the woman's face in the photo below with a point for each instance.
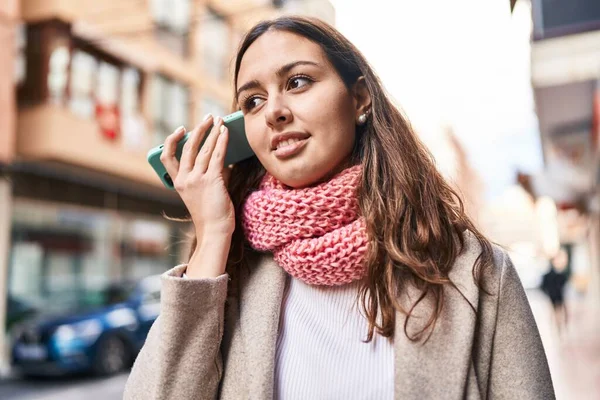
(300, 117)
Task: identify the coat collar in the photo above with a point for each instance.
(420, 368)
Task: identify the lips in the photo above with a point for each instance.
(288, 144)
(288, 138)
(285, 143)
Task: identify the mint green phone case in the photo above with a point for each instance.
(238, 148)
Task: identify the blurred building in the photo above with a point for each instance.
(565, 75)
(86, 88)
(9, 15)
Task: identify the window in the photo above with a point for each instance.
(20, 58)
(172, 19)
(83, 72)
(173, 15)
(215, 44)
(159, 89)
(107, 95)
(26, 262)
(60, 271)
(133, 125)
(160, 11)
(180, 16)
(170, 107)
(58, 74)
(107, 85)
(130, 91)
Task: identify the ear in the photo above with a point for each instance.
(362, 97)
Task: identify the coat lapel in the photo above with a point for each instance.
(260, 305)
(440, 367)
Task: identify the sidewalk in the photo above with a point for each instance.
(574, 359)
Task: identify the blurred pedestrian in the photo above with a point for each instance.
(337, 263)
(553, 284)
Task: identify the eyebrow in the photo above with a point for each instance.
(253, 84)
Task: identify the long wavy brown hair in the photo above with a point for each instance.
(415, 220)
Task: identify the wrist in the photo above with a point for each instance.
(212, 238)
(210, 231)
(210, 256)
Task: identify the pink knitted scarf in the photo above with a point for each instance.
(315, 233)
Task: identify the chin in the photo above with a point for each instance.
(299, 183)
(298, 179)
(304, 170)
(295, 176)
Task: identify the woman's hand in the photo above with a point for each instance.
(200, 179)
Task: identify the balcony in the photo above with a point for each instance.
(89, 111)
(48, 133)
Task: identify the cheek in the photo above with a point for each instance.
(334, 110)
(337, 119)
(256, 135)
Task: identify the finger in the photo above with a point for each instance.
(205, 154)
(167, 157)
(218, 155)
(188, 154)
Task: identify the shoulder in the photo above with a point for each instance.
(493, 269)
(473, 249)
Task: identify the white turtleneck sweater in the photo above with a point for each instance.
(320, 348)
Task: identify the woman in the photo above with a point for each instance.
(337, 263)
(553, 284)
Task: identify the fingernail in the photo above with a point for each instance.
(222, 129)
(207, 116)
(218, 120)
(180, 129)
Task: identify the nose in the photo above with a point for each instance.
(278, 113)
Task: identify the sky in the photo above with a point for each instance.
(463, 64)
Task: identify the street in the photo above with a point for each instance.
(78, 388)
(573, 357)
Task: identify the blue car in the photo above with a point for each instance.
(103, 334)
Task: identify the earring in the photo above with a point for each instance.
(362, 118)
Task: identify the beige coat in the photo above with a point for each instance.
(201, 348)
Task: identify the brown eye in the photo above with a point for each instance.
(252, 102)
(298, 82)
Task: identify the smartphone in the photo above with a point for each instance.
(238, 148)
